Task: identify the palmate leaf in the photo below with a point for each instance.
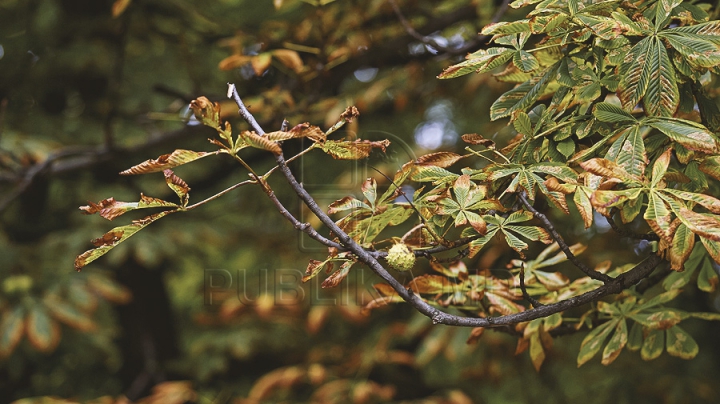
(114, 237)
(635, 74)
(647, 74)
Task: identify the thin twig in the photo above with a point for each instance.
(411, 31)
(525, 293)
(219, 194)
(628, 233)
(563, 246)
(437, 316)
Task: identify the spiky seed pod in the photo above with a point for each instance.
(400, 257)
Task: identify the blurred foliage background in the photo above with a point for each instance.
(91, 87)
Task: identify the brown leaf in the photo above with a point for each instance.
(310, 131)
(108, 238)
(261, 142)
(179, 186)
(440, 159)
(174, 159)
(289, 58)
(350, 113)
(475, 335)
(233, 62)
(206, 111)
(474, 138)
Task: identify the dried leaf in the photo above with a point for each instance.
(178, 186)
(474, 138)
(110, 208)
(440, 159)
(174, 159)
(261, 142)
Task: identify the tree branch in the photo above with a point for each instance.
(437, 316)
(563, 245)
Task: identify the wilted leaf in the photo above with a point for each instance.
(207, 112)
(110, 208)
(178, 186)
(440, 159)
(174, 159)
(261, 142)
(474, 138)
(114, 237)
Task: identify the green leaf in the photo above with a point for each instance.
(507, 27)
(525, 61)
(433, 174)
(662, 97)
(635, 74)
(635, 338)
(522, 124)
(522, 96)
(653, 345)
(42, 331)
(476, 245)
(593, 341)
(606, 112)
(616, 344)
(679, 343)
(631, 154)
(114, 237)
(12, 328)
(689, 134)
(480, 62)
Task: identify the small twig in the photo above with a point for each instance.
(628, 233)
(563, 246)
(219, 194)
(525, 293)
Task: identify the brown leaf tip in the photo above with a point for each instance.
(93, 208)
(350, 113)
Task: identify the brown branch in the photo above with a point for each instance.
(563, 245)
(525, 293)
(437, 316)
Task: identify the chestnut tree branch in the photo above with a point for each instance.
(437, 316)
